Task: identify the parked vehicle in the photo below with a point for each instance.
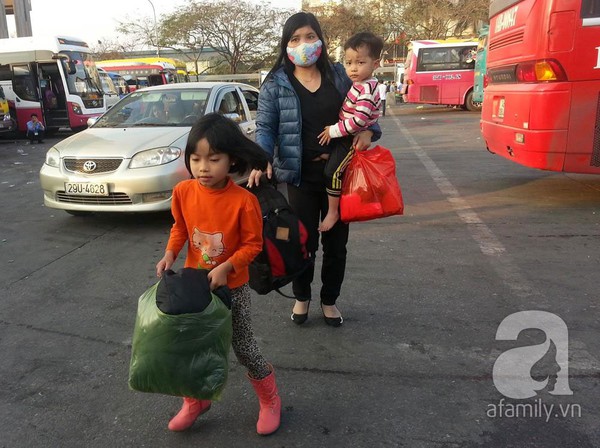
(180, 66)
(541, 106)
(144, 74)
(130, 159)
(120, 83)
(441, 72)
(480, 65)
(55, 78)
(111, 96)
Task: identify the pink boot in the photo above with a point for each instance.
(270, 404)
(188, 414)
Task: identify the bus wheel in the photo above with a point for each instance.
(470, 104)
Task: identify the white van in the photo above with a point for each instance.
(111, 95)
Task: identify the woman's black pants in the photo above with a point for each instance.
(311, 207)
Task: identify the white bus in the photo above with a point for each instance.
(53, 77)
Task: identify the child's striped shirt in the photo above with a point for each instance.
(359, 111)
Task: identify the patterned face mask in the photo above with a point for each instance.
(305, 54)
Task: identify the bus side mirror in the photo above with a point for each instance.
(69, 67)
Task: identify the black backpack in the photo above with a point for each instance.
(284, 256)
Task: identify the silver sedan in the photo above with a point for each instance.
(130, 159)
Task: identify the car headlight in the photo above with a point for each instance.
(53, 158)
(154, 157)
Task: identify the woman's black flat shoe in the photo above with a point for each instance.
(300, 318)
(333, 321)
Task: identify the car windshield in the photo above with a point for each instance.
(166, 108)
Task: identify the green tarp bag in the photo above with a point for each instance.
(185, 355)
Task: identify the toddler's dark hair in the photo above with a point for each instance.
(373, 43)
(225, 136)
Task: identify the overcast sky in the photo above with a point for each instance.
(93, 21)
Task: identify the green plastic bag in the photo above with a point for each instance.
(185, 355)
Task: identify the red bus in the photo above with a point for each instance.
(140, 74)
(541, 106)
(441, 72)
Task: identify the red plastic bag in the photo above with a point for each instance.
(370, 189)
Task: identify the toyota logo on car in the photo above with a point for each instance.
(89, 166)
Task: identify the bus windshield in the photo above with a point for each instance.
(85, 82)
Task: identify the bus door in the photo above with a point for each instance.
(27, 97)
(54, 100)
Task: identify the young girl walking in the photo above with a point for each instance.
(222, 224)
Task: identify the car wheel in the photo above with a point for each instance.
(78, 213)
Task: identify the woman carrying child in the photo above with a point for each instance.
(302, 94)
(222, 224)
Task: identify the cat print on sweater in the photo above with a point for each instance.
(210, 245)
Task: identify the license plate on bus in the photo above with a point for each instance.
(500, 113)
(86, 189)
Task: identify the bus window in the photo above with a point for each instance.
(24, 83)
(446, 58)
(155, 80)
(590, 9)
(5, 73)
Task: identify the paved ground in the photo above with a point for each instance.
(482, 238)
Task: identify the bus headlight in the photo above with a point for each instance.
(75, 108)
(154, 157)
(53, 158)
(7, 116)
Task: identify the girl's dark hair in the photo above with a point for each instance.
(296, 21)
(225, 136)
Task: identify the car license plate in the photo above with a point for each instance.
(86, 188)
(501, 108)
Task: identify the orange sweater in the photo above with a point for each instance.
(219, 225)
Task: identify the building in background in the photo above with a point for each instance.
(21, 9)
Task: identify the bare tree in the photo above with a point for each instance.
(141, 30)
(398, 21)
(113, 48)
(184, 30)
(440, 19)
(240, 31)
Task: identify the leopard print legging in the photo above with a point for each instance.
(243, 343)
